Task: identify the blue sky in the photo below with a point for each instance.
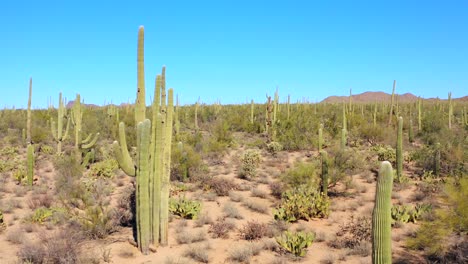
(233, 51)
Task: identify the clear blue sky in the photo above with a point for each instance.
(232, 50)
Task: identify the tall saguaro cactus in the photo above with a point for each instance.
(450, 110)
(80, 144)
(57, 129)
(252, 111)
(381, 216)
(399, 149)
(30, 147)
(152, 167)
(324, 159)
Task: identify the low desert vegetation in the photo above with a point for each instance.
(264, 182)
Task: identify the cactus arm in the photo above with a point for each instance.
(92, 143)
(66, 134)
(121, 152)
(87, 139)
(52, 129)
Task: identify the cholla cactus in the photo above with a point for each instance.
(250, 161)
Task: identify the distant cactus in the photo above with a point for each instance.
(30, 148)
(437, 159)
(381, 216)
(81, 146)
(450, 115)
(399, 149)
(343, 139)
(324, 161)
(252, 111)
(320, 137)
(57, 129)
(410, 131)
(392, 103)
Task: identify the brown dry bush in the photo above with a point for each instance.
(254, 230)
(221, 228)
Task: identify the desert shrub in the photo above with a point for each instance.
(405, 214)
(2, 222)
(60, 247)
(301, 174)
(185, 162)
(43, 200)
(221, 228)
(46, 149)
(295, 243)
(198, 253)
(302, 203)
(125, 207)
(250, 161)
(105, 168)
(274, 147)
(438, 238)
(385, 153)
(19, 175)
(253, 230)
(184, 207)
(277, 188)
(256, 206)
(221, 186)
(371, 133)
(354, 232)
(230, 211)
(41, 215)
(97, 222)
(187, 237)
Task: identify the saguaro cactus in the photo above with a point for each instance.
(28, 124)
(320, 137)
(30, 148)
(252, 111)
(152, 167)
(57, 130)
(80, 144)
(450, 110)
(381, 216)
(437, 159)
(324, 186)
(419, 115)
(399, 149)
(410, 131)
(343, 139)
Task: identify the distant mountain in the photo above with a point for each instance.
(71, 103)
(369, 97)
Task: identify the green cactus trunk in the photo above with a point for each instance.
(140, 105)
(419, 115)
(381, 216)
(324, 185)
(81, 145)
(437, 160)
(57, 130)
(399, 149)
(252, 111)
(288, 107)
(343, 139)
(410, 131)
(196, 115)
(152, 168)
(28, 122)
(143, 196)
(320, 137)
(450, 110)
(345, 126)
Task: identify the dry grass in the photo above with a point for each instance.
(230, 211)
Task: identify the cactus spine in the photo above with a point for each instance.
(152, 168)
(399, 149)
(324, 186)
(57, 130)
(381, 216)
